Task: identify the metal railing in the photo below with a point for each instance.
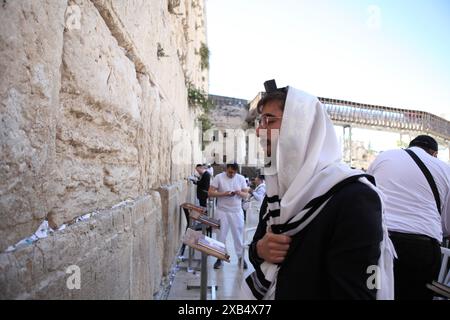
(372, 116)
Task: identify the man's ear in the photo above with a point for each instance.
(432, 152)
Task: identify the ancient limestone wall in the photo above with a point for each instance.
(91, 93)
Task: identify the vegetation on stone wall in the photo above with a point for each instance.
(198, 98)
(204, 56)
(205, 121)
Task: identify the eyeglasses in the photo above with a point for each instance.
(265, 120)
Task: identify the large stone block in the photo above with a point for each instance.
(164, 45)
(31, 44)
(164, 147)
(153, 137)
(147, 269)
(96, 136)
(97, 66)
(115, 251)
(173, 222)
(88, 117)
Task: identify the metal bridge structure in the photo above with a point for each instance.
(403, 121)
(368, 116)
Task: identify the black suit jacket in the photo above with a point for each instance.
(203, 185)
(329, 258)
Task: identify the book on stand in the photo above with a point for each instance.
(440, 289)
(193, 207)
(203, 218)
(210, 246)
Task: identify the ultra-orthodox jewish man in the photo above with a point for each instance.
(321, 233)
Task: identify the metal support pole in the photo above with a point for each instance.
(344, 144)
(347, 143)
(350, 144)
(204, 272)
(191, 253)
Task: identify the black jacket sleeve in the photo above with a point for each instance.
(259, 234)
(355, 244)
(329, 259)
(203, 185)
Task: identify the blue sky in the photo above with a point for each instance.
(393, 53)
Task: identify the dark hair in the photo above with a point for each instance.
(199, 165)
(424, 142)
(279, 96)
(261, 177)
(233, 166)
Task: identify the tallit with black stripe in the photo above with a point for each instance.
(306, 168)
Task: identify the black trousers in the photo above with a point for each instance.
(418, 263)
(202, 201)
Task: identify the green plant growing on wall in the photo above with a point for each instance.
(198, 98)
(206, 122)
(204, 56)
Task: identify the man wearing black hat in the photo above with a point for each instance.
(416, 186)
(202, 184)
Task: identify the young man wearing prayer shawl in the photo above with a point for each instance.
(321, 233)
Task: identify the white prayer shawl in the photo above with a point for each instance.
(308, 164)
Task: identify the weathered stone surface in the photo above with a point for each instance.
(157, 138)
(149, 135)
(31, 44)
(147, 244)
(88, 118)
(162, 44)
(114, 250)
(173, 223)
(97, 132)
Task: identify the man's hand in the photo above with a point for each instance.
(238, 193)
(241, 193)
(273, 247)
(214, 193)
